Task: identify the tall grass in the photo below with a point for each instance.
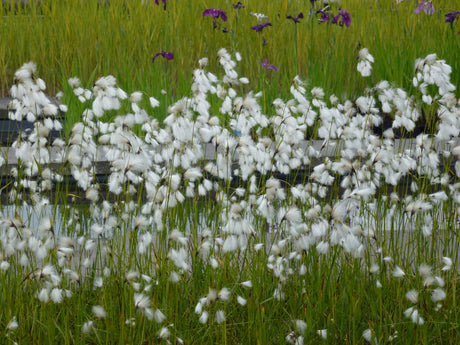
(94, 38)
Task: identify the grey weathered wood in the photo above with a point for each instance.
(10, 130)
(5, 101)
(329, 149)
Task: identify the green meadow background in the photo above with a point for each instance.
(90, 39)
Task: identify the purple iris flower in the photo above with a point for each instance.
(157, 2)
(215, 13)
(451, 16)
(324, 16)
(259, 28)
(426, 6)
(296, 19)
(335, 19)
(266, 65)
(346, 18)
(166, 55)
(238, 5)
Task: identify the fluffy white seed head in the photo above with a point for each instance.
(99, 312)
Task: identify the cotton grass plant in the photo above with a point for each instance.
(240, 231)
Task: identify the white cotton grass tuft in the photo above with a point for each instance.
(45, 226)
(98, 282)
(414, 315)
(258, 246)
(56, 295)
(364, 64)
(4, 265)
(439, 281)
(154, 103)
(374, 268)
(141, 301)
(425, 270)
(447, 263)
(387, 259)
(260, 16)
(293, 338)
(247, 284)
(241, 300)
(43, 295)
(158, 316)
(224, 294)
(322, 247)
(300, 325)
(369, 336)
(438, 295)
(135, 97)
(220, 316)
(87, 327)
(317, 92)
(131, 322)
(322, 333)
(12, 324)
(174, 277)
(204, 317)
(74, 82)
(99, 312)
(164, 333)
(412, 296)
(398, 272)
